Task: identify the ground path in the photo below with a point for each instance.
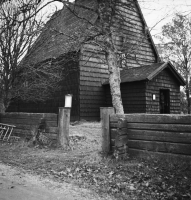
(16, 184)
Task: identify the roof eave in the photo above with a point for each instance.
(172, 69)
(156, 72)
(158, 59)
(176, 74)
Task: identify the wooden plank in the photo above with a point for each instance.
(155, 118)
(165, 136)
(48, 116)
(18, 122)
(162, 127)
(21, 132)
(122, 131)
(110, 110)
(137, 153)
(166, 147)
(114, 118)
(52, 130)
(160, 118)
(113, 132)
(121, 140)
(122, 123)
(105, 122)
(123, 150)
(21, 115)
(63, 127)
(112, 142)
(24, 127)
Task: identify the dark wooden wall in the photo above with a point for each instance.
(25, 122)
(136, 40)
(147, 135)
(94, 70)
(137, 96)
(69, 85)
(133, 97)
(164, 80)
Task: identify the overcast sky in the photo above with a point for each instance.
(161, 12)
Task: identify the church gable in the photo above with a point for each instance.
(135, 37)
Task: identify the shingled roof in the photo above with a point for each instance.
(63, 33)
(147, 73)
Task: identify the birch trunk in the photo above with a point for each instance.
(188, 96)
(114, 81)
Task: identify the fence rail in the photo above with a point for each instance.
(24, 122)
(142, 135)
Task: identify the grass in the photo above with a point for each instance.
(84, 165)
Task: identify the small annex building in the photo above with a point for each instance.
(144, 76)
(149, 89)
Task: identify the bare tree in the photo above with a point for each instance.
(19, 27)
(176, 47)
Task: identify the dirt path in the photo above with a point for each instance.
(16, 184)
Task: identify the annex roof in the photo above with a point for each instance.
(147, 73)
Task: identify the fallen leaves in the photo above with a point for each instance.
(149, 179)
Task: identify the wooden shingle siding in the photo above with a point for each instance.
(94, 70)
(134, 30)
(133, 97)
(164, 80)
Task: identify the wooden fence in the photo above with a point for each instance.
(24, 122)
(142, 135)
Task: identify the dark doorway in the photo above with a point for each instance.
(165, 101)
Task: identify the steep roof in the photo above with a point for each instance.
(147, 73)
(63, 31)
(148, 32)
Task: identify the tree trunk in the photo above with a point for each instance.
(114, 81)
(188, 97)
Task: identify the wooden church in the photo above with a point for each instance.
(147, 84)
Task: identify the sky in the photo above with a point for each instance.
(156, 12)
(159, 12)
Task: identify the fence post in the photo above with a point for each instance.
(63, 127)
(105, 116)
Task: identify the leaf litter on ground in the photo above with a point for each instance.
(84, 165)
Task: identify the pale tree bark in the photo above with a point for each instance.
(114, 81)
(187, 91)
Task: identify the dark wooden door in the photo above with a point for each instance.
(164, 101)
